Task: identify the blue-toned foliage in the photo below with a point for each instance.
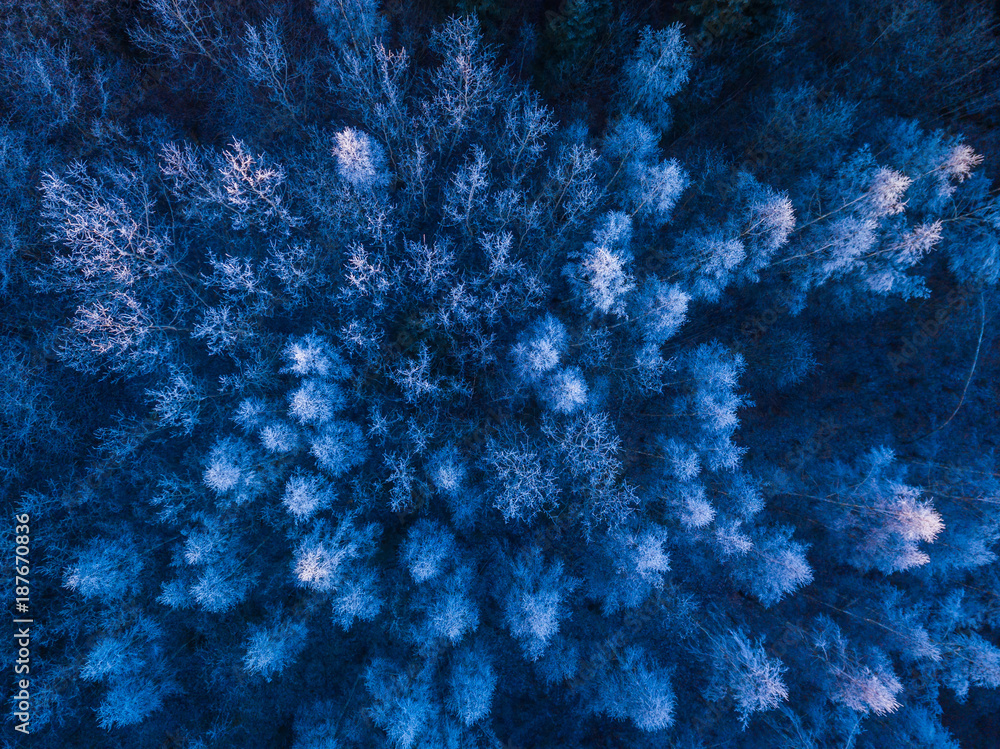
(358, 396)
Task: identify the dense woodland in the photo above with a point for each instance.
(466, 374)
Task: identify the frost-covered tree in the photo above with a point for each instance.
(657, 70)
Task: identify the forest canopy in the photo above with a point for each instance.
(494, 375)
